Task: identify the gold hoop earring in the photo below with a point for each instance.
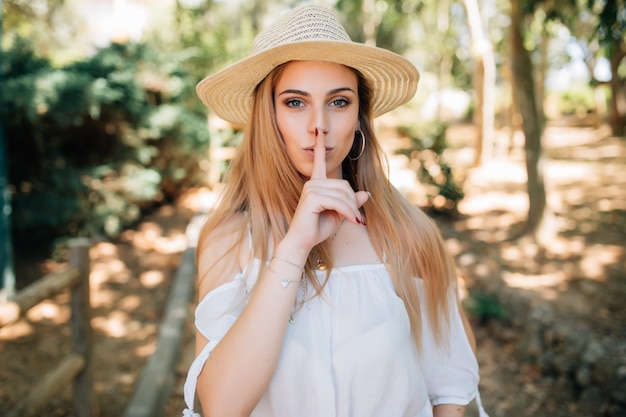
(360, 133)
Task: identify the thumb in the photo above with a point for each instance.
(362, 197)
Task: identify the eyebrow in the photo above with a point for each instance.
(306, 94)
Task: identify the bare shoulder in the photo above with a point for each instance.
(221, 251)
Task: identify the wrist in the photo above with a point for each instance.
(292, 252)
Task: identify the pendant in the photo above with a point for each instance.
(320, 265)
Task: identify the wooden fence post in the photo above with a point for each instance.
(82, 334)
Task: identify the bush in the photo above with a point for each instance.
(485, 307)
(427, 146)
(577, 101)
(95, 143)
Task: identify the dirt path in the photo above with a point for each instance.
(130, 280)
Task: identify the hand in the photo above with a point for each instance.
(324, 202)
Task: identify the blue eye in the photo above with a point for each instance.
(294, 102)
(340, 102)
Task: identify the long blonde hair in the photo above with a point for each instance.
(264, 186)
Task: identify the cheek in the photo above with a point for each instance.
(346, 144)
(288, 130)
(348, 135)
(291, 132)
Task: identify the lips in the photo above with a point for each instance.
(311, 150)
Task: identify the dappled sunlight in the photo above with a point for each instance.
(19, 330)
(150, 237)
(597, 258)
(519, 254)
(151, 279)
(579, 138)
(516, 202)
(113, 326)
(172, 244)
(144, 237)
(127, 378)
(570, 247)
(200, 200)
(454, 246)
(497, 172)
(519, 280)
(567, 172)
(129, 302)
(103, 250)
(549, 272)
(145, 350)
(117, 324)
(49, 311)
(109, 270)
(103, 298)
(576, 271)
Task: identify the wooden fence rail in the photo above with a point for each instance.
(77, 365)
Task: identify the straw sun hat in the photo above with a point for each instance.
(307, 33)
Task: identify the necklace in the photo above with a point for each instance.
(320, 265)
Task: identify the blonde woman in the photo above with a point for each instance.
(323, 291)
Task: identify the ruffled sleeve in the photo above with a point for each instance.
(215, 315)
(450, 372)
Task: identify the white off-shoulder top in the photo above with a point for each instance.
(349, 353)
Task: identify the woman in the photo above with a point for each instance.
(323, 291)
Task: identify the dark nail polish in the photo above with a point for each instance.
(358, 220)
(316, 132)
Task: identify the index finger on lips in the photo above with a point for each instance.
(319, 155)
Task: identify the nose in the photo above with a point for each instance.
(318, 121)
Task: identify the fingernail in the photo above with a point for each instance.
(316, 131)
(363, 222)
(358, 220)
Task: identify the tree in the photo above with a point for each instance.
(7, 277)
(611, 32)
(485, 83)
(539, 217)
(49, 25)
(599, 28)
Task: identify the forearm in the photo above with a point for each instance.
(240, 367)
(448, 410)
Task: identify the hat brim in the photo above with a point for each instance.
(229, 92)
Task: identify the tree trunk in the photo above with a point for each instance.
(540, 96)
(618, 101)
(485, 84)
(7, 276)
(444, 78)
(532, 126)
(479, 112)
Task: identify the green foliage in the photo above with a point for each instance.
(612, 19)
(214, 33)
(577, 101)
(485, 307)
(427, 146)
(93, 144)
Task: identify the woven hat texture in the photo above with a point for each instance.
(307, 33)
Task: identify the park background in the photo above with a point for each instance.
(515, 143)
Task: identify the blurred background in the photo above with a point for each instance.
(515, 143)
